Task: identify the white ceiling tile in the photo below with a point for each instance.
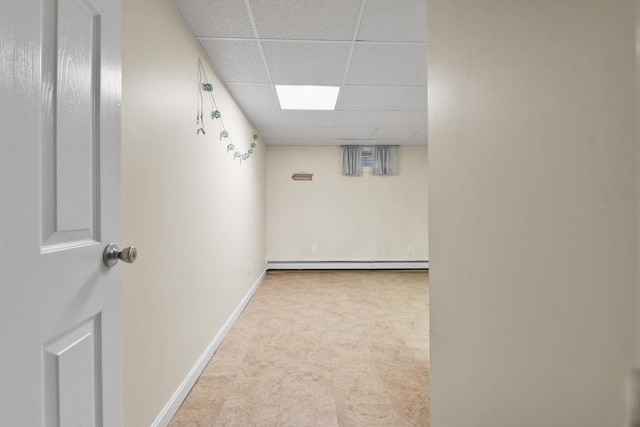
(306, 141)
(394, 135)
(351, 141)
(309, 132)
(422, 81)
(254, 95)
(387, 64)
(416, 100)
(359, 118)
(216, 18)
(419, 138)
(276, 141)
(236, 60)
(281, 141)
(263, 117)
(352, 133)
(413, 142)
(306, 63)
(403, 21)
(406, 119)
(305, 19)
(366, 98)
(272, 132)
(297, 118)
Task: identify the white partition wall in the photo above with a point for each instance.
(532, 211)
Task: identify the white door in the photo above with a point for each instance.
(59, 207)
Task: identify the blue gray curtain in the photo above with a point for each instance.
(385, 160)
(352, 160)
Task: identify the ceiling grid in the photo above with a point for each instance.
(375, 50)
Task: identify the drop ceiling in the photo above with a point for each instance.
(375, 50)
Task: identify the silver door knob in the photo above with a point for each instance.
(112, 254)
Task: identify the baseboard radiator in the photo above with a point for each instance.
(348, 265)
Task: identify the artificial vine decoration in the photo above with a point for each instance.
(204, 87)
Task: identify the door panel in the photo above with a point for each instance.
(71, 44)
(59, 207)
(71, 377)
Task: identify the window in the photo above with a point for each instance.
(367, 158)
(376, 160)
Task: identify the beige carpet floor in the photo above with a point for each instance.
(347, 348)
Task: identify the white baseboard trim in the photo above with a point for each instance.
(348, 265)
(172, 406)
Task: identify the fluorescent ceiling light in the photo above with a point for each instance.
(307, 97)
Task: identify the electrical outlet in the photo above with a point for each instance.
(314, 249)
(409, 250)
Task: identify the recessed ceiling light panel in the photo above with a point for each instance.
(307, 97)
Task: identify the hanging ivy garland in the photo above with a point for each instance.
(204, 87)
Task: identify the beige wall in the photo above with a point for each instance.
(532, 211)
(196, 216)
(349, 218)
